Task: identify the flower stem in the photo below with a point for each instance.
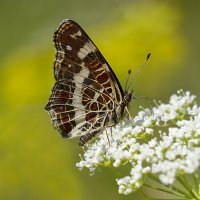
(184, 183)
(174, 189)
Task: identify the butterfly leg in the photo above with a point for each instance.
(130, 118)
(129, 115)
(85, 138)
(111, 131)
(108, 138)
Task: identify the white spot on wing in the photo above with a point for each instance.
(87, 48)
(79, 33)
(68, 47)
(76, 34)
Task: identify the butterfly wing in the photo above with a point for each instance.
(85, 84)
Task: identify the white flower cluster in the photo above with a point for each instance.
(163, 141)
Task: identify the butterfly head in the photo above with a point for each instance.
(128, 96)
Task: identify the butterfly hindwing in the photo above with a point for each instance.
(74, 114)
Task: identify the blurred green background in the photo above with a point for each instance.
(35, 162)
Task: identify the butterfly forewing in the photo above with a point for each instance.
(85, 88)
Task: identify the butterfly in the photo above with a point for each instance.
(87, 96)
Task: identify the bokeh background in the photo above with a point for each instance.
(35, 162)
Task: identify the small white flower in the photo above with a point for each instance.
(165, 142)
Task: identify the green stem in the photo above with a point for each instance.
(196, 183)
(176, 189)
(183, 182)
(164, 190)
(146, 196)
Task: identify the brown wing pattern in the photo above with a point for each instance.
(85, 87)
(76, 114)
(74, 51)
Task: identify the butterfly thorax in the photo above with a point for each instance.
(125, 102)
(116, 111)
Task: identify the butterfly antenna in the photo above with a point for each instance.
(139, 70)
(129, 72)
